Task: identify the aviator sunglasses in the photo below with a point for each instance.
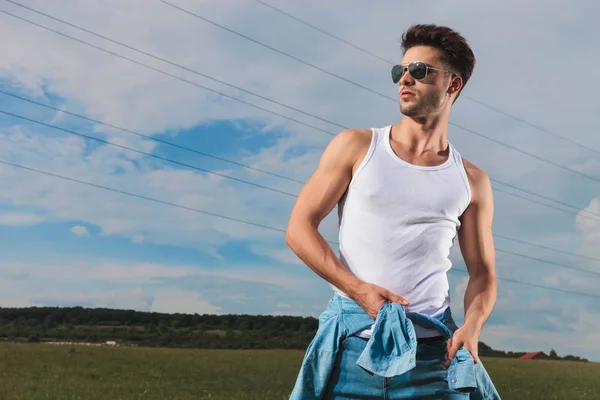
(418, 70)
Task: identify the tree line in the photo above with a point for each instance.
(129, 327)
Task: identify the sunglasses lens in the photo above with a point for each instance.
(418, 70)
(397, 71)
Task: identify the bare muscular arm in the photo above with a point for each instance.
(318, 197)
(477, 247)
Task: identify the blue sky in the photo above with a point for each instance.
(64, 243)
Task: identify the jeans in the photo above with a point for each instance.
(337, 361)
(425, 381)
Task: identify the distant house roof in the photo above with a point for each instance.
(530, 356)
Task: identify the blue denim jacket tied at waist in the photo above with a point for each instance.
(391, 350)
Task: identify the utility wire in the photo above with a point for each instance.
(275, 50)
(239, 180)
(195, 84)
(323, 31)
(583, 212)
(591, 217)
(196, 72)
(242, 221)
(148, 154)
(141, 196)
(202, 153)
(378, 93)
(548, 262)
(167, 73)
(257, 185)
(546, 247)
(544, 197)
(463, 95)
(534, 285)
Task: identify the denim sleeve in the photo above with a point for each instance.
(467, 377)
(461, 373)
(319, 360)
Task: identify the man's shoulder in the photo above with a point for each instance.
(350, 144)
(474, 172)
(478, 178)
(355, 137)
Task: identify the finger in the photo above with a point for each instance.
(445, 363)
(395, 298)
(475, 356)
(454, 346)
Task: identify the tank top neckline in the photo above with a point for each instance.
(387, 142)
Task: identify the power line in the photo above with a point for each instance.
(463, 95)
(534, 285)
(168, 74)
(546, 247)
(240, 220)
(148, 154)
(247, 182)
(193, 83)
(141, 196)
(378, 93)
(323, 31)
(550, 206)
(202, 153)
(180, 163)
(175, 64)
(512, 194)
(261, 186)
(278, 51)
(548, 262)
(545, 197)
(296, 180)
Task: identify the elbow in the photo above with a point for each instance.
(296, 233)
(289, 237)
(291, 234)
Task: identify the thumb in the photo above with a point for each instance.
(453, 346)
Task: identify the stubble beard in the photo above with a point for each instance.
(424, 105)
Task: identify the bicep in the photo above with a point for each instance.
(327, 185)
(475, 235)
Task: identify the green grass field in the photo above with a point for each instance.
(39, 371)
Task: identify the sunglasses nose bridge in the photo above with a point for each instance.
(401, 71)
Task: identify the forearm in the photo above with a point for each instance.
(309, 245)
(480, 298)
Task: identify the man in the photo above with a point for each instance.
(404, 193)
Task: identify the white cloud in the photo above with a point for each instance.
(138, 238)
(80, 230)
(187, 303)
(19, 219)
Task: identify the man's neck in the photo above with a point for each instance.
(421, 135)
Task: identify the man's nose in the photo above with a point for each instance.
(406, 79)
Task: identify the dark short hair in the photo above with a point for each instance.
(456, 53)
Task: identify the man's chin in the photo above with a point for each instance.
(410, 111)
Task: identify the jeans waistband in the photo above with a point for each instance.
(443, 323)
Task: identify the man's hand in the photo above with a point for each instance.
(372, 297)
(466, 336)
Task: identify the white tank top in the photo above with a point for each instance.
(397, 223)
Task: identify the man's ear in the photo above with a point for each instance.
(455, 85)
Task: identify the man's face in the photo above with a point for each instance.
(420, 98)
